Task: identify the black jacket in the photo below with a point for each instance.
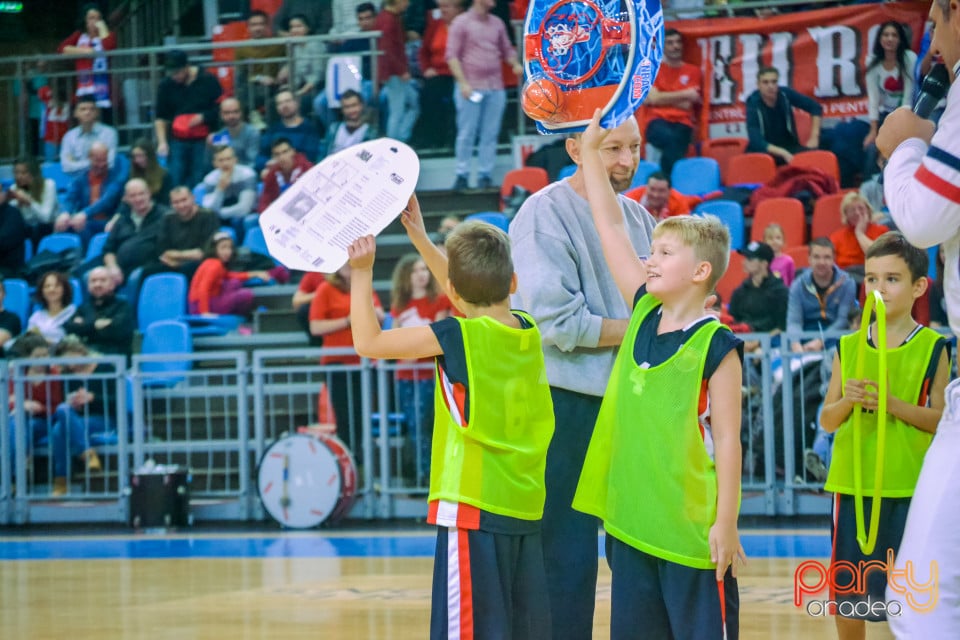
(116, 337)
(764, 308)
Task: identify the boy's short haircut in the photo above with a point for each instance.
(822, 241)
(892, 243)
(71, 345)
(707, 235)
(478, 263)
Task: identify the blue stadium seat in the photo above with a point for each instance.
(17, 299)
(212, 326)
(163, 296)
(495, 218)
(78, 291)
(567, 171)
(255, 241)
(166, 337)
(57, 242)
(95, 247)
(731, 213)
(644, 170)
(53, 171)
(231, 231)
(695, 176)
(27, 250)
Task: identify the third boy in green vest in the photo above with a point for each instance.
(918, 365)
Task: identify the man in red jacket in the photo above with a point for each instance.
(287, 168)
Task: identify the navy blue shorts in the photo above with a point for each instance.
(893, 518)
(488, 585)
(655, 598)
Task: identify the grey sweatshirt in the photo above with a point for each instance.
(564, 282)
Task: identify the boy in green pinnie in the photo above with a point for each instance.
(918, 366)
(663, 467)
(493, 420)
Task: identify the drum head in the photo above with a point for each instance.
(299, 481)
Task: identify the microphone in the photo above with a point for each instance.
(935, 86)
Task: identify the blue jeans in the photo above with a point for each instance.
(416, 404)
(478, 123)
(403, 107)
(37, 431)
(71, 435)
(187, 162)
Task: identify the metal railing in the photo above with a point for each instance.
(216, 413)
(134, 74)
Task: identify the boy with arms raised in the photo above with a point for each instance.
(918, 365)
(492, 426)
(663, 467)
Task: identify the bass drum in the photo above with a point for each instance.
(305, 480)
(348, 476)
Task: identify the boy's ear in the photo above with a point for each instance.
(702, 272)
(513, 283)
(920, 286)
(452, 293)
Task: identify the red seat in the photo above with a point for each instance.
(731, 278)
(818, 159)
(826, 215)
(721, 150)
(800, 255)
(530, 178)
(788, 213)
(750, 168)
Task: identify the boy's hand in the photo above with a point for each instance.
(412, 219)
(594, 135)
(725, 549)
(362, 253)
(862, 392)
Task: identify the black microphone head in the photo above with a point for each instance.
(935, 86)
(937, 82)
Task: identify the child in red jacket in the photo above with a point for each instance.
(214, 289)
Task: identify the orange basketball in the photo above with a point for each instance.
(542, 100)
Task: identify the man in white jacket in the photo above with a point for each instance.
(922, 189)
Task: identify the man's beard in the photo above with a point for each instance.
(621, 184)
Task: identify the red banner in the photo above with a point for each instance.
(820, 53)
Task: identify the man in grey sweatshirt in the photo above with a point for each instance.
(564, 283)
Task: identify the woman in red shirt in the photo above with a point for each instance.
(416, 301)
(330, 319)
(851, 241)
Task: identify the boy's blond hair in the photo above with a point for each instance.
(706, 235)
(479, 264)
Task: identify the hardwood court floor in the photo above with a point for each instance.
(277, 597)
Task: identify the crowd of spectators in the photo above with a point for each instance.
(211, 155)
